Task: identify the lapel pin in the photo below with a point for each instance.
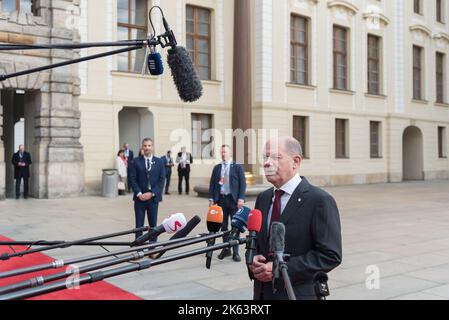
(299, 200)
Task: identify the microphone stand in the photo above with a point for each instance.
(139, 254)
(51, 243)
(280, 265)
(56, 264)
(93, 277)
(8, 256)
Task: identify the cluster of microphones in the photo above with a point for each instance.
(141, 255)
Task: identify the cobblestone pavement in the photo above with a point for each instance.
(399, 231)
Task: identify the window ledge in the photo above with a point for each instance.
(212, 82)
(347, 92)
(442, 104)
(376, 96)
(300, 86)
(442, 158)
(420, 101)
(133, 75)
(376, 158)
(343, 159)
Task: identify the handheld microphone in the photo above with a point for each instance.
(281, 279)
(184, 232)
(155, 64)
(170, 225)
(214, 222)
(239, 221)
(254, 226)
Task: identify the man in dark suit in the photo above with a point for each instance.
(168, 164)
(312, 222)
(21, 161)
(147, 178)
(184, 160)
(227, 189)
(129, 154)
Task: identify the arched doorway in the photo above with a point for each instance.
(413, 154)
(135, 124)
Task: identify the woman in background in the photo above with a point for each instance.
(122, 167)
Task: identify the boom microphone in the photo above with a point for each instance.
(184, 75)
(155, 64)
(254, 226)
(170, 225)
(239, 221)
(214, 222)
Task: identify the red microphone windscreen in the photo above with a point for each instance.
(255, 220)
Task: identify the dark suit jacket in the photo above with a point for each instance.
(138, 177)
(131, 155)
(166, 160)
(237, 182)
(21, 172)
(188, 165)
(313, 238)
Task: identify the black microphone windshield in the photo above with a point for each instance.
(277, 237)
(186, 78)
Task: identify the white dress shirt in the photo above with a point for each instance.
(288, 189)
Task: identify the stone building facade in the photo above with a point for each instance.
(46, 101)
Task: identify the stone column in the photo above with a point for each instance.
(242, 81)
(58, 123)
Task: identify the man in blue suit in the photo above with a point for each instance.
(227, 189)
(147, 178)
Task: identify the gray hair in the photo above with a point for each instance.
(293, 147)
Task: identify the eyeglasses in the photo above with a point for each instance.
(272, 157)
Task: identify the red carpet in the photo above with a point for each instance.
(96, 291)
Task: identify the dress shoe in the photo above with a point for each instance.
(224, 253)
(236, 257)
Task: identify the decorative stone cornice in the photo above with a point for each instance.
(421, 28)
(376, 16)
(342, 4)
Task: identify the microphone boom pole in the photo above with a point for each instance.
(101, 275)
(8, 256)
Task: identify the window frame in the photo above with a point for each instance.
(296, 45)
(344, 54)
(197, 36)
(378, 61)
(130, 27)
(418, 93)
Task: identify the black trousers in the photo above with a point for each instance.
(183, 174)
(167, 180)
(229, 206)
(25, 186)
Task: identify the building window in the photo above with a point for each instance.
(132, 19)
(417, 6)
(202, 138)
(199, 39)
(340, 58)
(440, 81)
(299, 50)
(374, 55)
(442, 142)
(439, 11)
(375, 140)
(341, 139)
(417, 73)
(20, 5)
(300, 133)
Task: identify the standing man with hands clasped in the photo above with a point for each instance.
(21, 161)
(147, 178)
(227, 189)
(311, 219)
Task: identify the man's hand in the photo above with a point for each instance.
(240, 203)
(261, 270)
(146, 196)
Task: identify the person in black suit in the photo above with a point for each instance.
(227, 189)
(312, 222)
(184, 160)
(129, 154)
(21, 161)
(147, 178)
(169, 164)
